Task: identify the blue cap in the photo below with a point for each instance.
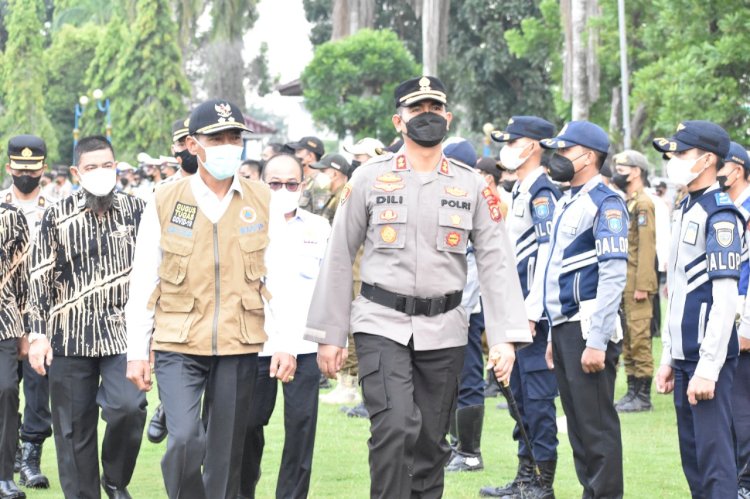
(461, 150)
(524, 126)
(581, 133)
(695, 134)
(737, 154)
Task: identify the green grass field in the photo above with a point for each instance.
(340, 469)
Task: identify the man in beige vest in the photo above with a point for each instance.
(197, 283)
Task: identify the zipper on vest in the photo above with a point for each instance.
(217, 294)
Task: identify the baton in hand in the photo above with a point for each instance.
(516, 414)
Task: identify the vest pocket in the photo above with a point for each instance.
(172, 324)
(253, 256)
(252, 319)
(175, 258)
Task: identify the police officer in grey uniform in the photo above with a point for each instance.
(415, 212)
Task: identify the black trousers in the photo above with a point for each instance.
(300, 420)
(37, 419)
(215, 441)
(8, 406)
(588, 402)
(410, 396)
(77, 386)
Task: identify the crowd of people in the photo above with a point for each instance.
(419, 276)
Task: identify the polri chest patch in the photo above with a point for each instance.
(184, 215)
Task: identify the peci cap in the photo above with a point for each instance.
(524, 126)
(737, 154)
(581, 133)
(180, 129)
(215, 116)
(630, 157)
(368, 146)
(696, 134)
(27, 152)
(418, 89)
(335, 161)
(312, 144)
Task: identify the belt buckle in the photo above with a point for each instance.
(406, 304)
(436, 306)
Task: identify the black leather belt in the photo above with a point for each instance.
(412, 305)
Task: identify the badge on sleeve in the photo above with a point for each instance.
(614, 220)
(724, 233)
(541, 207)
(642, 219)
(493, 204)
(345, 193)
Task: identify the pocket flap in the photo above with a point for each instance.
(252, 301)
(177, 245)
(455, 218)
(369, 364)
(389, 215)
(254, 243)
(176, 303)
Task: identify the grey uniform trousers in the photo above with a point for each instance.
(410, 396)
(8, 406)
(212, 441)
(77, 386)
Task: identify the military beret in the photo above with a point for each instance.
(27, 152)
(524, 126)
(419, 89)
(215, 116)
(696, 134)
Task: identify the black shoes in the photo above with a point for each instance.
(113, 492)
(31, 474)
(9, 490)
(157, 428)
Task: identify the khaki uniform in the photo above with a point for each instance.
(641, 276)
(415, 229)
(200, 309)
(329, 210)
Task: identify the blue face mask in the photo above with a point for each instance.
(223, 161)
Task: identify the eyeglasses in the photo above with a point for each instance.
(290, 186)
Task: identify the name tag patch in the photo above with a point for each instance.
(691, 233)
(184, 215)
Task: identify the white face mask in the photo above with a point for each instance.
(283, 201)
(222, 161)
(322, 180)
(510, 157)
(680, 171)
(99, 181)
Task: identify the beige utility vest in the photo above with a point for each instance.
(209, 300)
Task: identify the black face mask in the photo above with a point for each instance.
(355, 164)
(189, 161)
(124, 182)
(26, 183)
(561, 169)
(427, 129)
(621, 181)
(508, 185)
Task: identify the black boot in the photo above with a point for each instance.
(523, 478)
(541, 487)
(157, 427)
(629, 395)
(490, 386)
(31, 474)
(9, 490)
(18, 459)
(468, 457)
(642, 400)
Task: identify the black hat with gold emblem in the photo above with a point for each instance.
(27, 152)
(215, 116)
(419, 89)
(180, 129)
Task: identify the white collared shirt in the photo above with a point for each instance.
(144, 276)
(293, 260)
